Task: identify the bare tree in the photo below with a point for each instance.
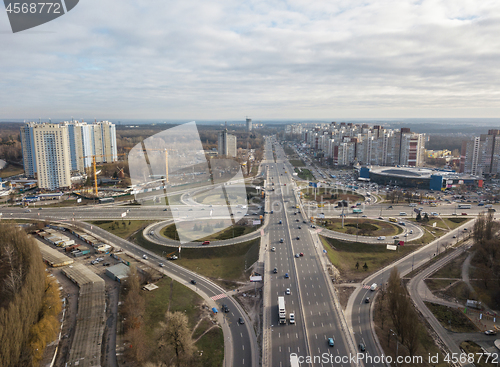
(175, 335)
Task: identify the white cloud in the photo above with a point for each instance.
(225, 59)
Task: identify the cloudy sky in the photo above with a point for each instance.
(267, 59)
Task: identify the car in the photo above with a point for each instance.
(280, 222)
(193, 281)
(166, 210)
(297, 220)
(272, 211)
(273, 249)
(298, 238)
(304, 221)
(367, 300)
(395, 237)
(241, 321)
(161, 265)
(363, 216)
(281, 240)
(191, 209)
(411, 231)
(331, 343)
(465, 229)
(287, 276)
(406, 235)
(362, 347)
(464, 213)
(144, 257)
(454, 236)
(299, 227)
(206, 243)
(297, 255)
(301, 254)
(390, 207)
(287, 291)
(490, 332)
(381, 238)
(106, 264)
(275, 270)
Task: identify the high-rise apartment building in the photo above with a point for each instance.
(249, 124)
(481, 154)
(348, 144)
(50, 144)
(227, 144)
(47, 148)
(105, 142)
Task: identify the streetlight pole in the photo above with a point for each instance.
(397, 345)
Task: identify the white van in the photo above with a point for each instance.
(373, 287)
(381, 238)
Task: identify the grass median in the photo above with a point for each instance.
(364, 227)
(345, 255)
(225, 265)
(122, 228)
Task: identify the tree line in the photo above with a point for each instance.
(29, 300)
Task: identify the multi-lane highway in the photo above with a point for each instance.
(310, 297)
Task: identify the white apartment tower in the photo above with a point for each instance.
(52, 156)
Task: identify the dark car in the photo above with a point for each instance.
(304, 221)
(298, 237)
(362, 347)
(300, 227)
(367, 300)
(287, 276)
(193, 281)
(241, 320)
(275, 270)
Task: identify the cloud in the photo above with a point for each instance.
(280, 59)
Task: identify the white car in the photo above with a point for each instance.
(144, 257)
(287, 291)
(381, 238)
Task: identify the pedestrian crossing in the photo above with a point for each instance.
(219, 296)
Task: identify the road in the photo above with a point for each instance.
(310, 299)
(359, 312)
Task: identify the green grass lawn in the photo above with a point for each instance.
(117, 228)
(180, 298)
(453, 222)
(225, 265)
(364, 227)
(452, 318)
(305, 174)
(227, 233)
(331, 195)
(345, 255)
(297, 163)
(437, 284)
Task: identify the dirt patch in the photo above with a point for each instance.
(344, 293)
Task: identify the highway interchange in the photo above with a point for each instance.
(311, 297)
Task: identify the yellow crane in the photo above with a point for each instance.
(96, 191)
(165, 150)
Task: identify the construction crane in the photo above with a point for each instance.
(96, 191)
(169, 256)
(165, 150)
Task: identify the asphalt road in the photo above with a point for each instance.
(360, 311)
(309, 299)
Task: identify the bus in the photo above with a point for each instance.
(282, 310)
(394, 220)
(464, 206)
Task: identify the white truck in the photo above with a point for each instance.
(282, 310)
